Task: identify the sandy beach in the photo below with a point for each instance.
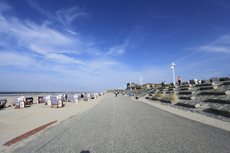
(15, 122)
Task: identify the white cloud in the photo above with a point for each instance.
(221, 45)
(16, 59)
(60, 58)
(118, 50)
(214, 49)
(68, 15)
(74, 33)
(63, 16)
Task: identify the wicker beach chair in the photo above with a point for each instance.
(3, 102)
(86, 97)
(29, 100)
(215, 79)
(47, 100)
(40, 99)
(19, 102)
(73, 98)
(56, 100)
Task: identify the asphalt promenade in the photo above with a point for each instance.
(119, 124)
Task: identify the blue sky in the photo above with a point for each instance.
(88, 45)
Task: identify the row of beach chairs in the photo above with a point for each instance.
(56, 100)
(195, 81)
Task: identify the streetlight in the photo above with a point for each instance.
(141, 81)
(172, 68)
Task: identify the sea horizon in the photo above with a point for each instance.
(21, 93)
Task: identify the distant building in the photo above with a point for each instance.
(132, 86)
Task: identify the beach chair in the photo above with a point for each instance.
(86, 97)
(29, 100)
(19, 102)
(56, 100)
(215, 79)
(69, 97)
(47, 100)
(226, 79)
(79, 97)
(193, 81)
(93, 95)
(73, 98)
(97, 95)
(40, 99)
(76, 98)
(3, 102)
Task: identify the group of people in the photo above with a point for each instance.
(178, 80)
(163, 84)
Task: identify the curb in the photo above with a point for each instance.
(220, 111)
(28, 134)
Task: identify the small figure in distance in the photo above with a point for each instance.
(116, 93)
(66, 97)
(179, 80)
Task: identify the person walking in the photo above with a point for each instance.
(179, 80)
(116, 93)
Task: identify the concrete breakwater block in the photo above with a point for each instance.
(168, 92)
(188, 104)
(186, 92)
(216, 100)
(204, 84)
(183, 86)
(166, 101)
(187, 97)
(215, 93)
(208, 88)
(154, 98)
(184, 89)
(162, 88)
(220, 110)
(226, 83)
(162, 92)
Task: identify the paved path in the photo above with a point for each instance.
(119, 124)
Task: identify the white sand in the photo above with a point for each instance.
(187, 114)
(15, 122)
